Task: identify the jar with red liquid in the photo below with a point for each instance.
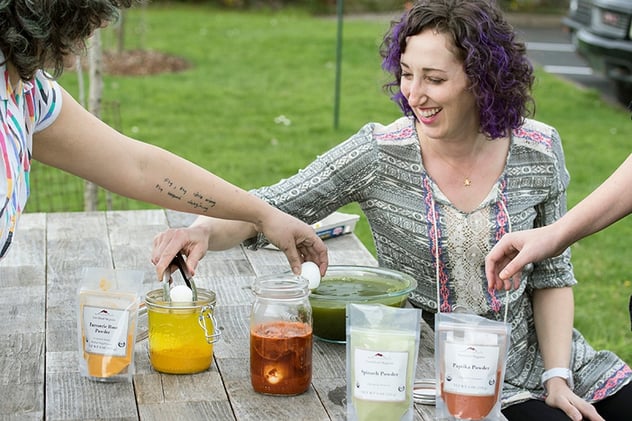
(281, 335)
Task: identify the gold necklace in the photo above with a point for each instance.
(467, 179)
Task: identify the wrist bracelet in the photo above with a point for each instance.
(562, 372)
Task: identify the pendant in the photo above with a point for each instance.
(467, 182)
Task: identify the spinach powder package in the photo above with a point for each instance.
(382, 348)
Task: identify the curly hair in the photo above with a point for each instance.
(499, 73)
(40, 34)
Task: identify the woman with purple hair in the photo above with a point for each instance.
(441, 185)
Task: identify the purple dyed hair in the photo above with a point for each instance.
(496, 64)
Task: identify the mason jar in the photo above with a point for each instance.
(281, 335)
(181, 335)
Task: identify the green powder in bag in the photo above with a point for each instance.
(382, 348)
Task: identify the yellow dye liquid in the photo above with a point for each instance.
(177, 343)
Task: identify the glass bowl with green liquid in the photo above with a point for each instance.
(354, 284)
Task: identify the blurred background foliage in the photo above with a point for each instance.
(367, 6)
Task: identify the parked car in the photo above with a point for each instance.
(578, 17)
(604, 38)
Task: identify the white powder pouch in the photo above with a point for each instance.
(382, 347)
(107, 315)
(470, 357)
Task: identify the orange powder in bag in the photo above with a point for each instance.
(470, 407)
(107, 334)
(108, 302)
(100, 365)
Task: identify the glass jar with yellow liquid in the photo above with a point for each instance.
(181, 334)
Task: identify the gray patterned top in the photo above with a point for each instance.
(381, 168)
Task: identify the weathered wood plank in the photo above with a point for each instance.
(22, 375)
(28, 248)
(72, 397)
(22, 311)
(249, 405)
(332, 393)
(74, 242)
(193, 410)
(23, 401)
(234, 322)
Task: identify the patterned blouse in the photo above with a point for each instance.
(381, 168)
(32, 107)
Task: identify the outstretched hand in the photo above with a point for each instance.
(506, 260)
(296, 239)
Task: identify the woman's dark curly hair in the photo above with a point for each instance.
(496, 64)
(38, 34)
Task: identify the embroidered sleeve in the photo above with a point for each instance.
(556, 271)
(340, 176)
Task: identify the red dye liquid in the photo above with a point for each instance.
(281, 358)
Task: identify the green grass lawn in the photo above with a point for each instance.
(250, 68)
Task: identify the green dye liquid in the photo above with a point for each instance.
(329, 322)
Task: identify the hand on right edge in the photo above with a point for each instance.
(507, 259)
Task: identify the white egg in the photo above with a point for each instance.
(311, 272)
(181, 294)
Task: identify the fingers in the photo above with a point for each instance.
(573, 406)
(586, 410)
(495, 263)
(577, 409)
(316, 253)
(310, 249)
(572, 412)
(168, 243)
(294, 259)
(504, 264)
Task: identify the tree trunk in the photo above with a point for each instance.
(95, 66)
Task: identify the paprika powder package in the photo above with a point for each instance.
(470, 358)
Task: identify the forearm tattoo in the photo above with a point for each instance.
(179, 193)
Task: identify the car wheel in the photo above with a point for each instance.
(624, 92)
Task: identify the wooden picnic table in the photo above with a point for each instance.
(39, 369)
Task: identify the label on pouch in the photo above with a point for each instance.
(105, 330)
(380, 375)
(470, 369)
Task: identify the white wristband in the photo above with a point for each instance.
(562, 372)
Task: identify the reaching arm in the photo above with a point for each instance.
(81, 144)
(203, 234)
(610, 202)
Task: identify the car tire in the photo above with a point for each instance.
(623, 92)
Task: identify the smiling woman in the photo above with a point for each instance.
(464, 81)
